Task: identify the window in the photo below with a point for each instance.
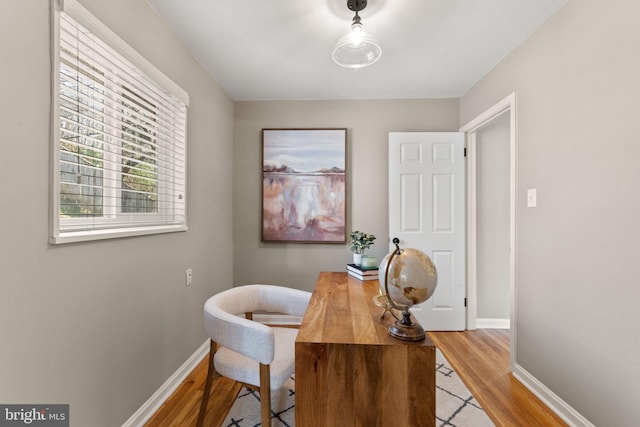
(119, 137)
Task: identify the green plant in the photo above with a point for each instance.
(360, 241)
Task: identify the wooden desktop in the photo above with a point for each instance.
(349, 371)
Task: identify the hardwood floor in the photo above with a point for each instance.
(480, 357)
(181, 409)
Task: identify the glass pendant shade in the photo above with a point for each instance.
(357, 48)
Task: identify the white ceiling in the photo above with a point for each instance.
(281, 49)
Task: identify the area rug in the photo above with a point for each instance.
(455, 405)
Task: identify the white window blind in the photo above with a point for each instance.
(119, 137)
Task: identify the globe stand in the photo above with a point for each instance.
(405, 329)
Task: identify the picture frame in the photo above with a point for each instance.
(304, 185)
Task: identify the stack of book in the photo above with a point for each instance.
(362, 273)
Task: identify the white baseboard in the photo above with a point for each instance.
(549, 398)
(146, 411)
(493, 323)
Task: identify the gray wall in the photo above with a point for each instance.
(492, 216)
(368, 124)
(102, 325)
(578, 252)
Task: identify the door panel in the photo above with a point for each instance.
(411, 187)
(442, 203)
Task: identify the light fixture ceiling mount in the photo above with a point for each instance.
(357, 48)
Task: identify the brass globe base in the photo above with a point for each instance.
(406, 330)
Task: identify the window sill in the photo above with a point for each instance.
(86, 236)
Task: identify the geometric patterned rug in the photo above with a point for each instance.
(455, 405)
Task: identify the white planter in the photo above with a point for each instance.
(357, 259)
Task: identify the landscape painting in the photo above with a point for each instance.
(304, 185)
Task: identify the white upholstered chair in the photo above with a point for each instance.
(249, 352)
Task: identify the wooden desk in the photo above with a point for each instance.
(350, 372)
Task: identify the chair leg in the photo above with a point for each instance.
(207, 388)
(265, 395)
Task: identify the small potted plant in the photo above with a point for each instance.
(359, 243)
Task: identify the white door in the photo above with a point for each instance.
(427, 212)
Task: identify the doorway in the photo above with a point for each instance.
(504, 110)
(492, 220)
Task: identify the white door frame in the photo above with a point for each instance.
(507, 104)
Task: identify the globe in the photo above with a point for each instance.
(407, 277)
(412, 277)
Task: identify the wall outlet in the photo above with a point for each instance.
(189, 277)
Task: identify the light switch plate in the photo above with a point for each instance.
(532, 198)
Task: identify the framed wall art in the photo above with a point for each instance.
(304, 185)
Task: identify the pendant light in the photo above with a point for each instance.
(357, 48)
